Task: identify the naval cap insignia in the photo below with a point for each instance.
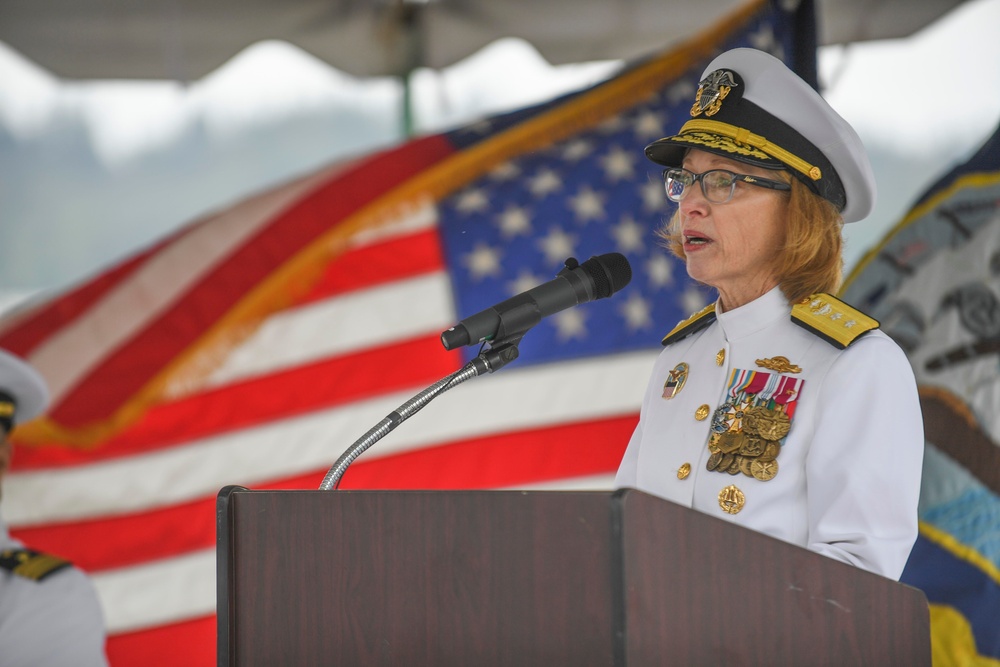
(711, 91)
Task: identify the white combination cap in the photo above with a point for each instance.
(751, 108)
(23, 392)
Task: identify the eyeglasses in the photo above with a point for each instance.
(718, 185)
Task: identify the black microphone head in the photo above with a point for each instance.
(610, 272)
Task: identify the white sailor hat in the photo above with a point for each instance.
(23, 392)
(750, 107)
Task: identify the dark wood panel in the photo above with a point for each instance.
(422, 578)
(547, 578)
(723, 594)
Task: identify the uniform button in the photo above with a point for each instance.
(702, 412)
(720, 357)
(684, 471)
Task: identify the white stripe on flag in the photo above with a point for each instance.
(160, 592)
(588, 483)
(335, 327)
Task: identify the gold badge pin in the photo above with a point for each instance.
(780, 364)
(684, 471)
(675, 380)
(731, 499)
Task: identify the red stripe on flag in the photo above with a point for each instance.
(190, 643)
(331, 382)
(565, 451)
(533, 456)
(380, 263)
(123, 373)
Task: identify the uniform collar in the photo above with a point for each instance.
(754, 316)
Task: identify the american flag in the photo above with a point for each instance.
(254, 346)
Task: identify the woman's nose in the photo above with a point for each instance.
(694, 200)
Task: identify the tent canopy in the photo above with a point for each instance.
(187, 39)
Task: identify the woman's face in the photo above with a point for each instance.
(732, 247)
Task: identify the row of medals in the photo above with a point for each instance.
(752, 444)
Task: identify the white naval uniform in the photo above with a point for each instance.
(849, 468)
(54, 622)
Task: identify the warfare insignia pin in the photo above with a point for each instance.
(780, 364)
(675, 380)
(711, 91)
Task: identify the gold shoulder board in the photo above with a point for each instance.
(691, 325)
(31, 564)
(832, 320)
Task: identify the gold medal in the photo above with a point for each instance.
(745, 465)
(770, 452)
(734, 467)
(729, 416)
(731, 499)
(730, 441)
(764, 470)
(768, 424)
(714, 460)
(752, 446)
(675, 380)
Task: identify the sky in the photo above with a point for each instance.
(92, 171)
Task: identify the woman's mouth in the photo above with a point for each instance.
(696, 240)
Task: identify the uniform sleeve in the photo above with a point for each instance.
(864, 464)
(628, 475)
(81, 621)
(628, 469)
(56, 622)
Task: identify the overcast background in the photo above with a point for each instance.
(92, 171)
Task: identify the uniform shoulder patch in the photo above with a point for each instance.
(691, 325)
(31, 564)
(832, 320)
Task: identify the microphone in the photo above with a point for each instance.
(576, 283)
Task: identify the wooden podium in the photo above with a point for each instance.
(483, 578)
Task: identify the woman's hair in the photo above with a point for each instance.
(811, 259)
